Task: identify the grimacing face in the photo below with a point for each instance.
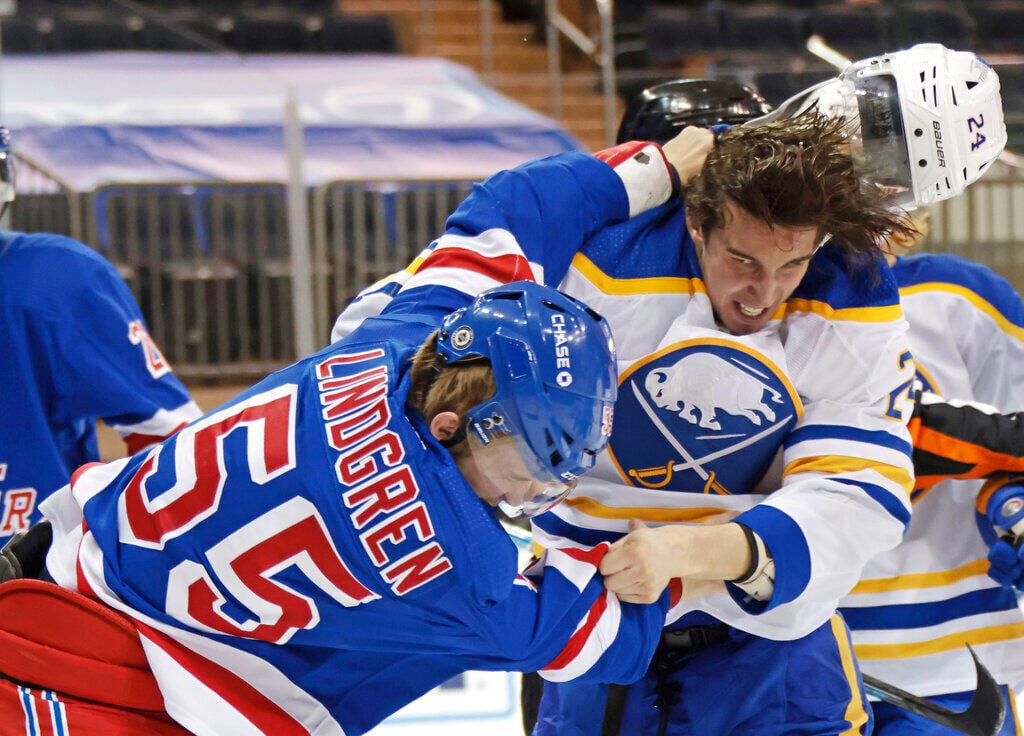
(749, 268)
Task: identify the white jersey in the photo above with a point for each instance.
(820, 397)
(918, 605)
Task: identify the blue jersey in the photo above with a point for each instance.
(308, 558)
(75, 348)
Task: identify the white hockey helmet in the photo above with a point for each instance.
(925, 122)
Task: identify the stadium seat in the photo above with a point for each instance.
(1000, 25)
(274, 31)
(854, 30)
(674, 32)
(348, 33)
(778, 86)
(187, 29)
(938, 21)
(764, 26)
(27, 35)
(91, 30)
(1011, 87)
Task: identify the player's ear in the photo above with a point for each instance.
(695, 233)
(444, 425)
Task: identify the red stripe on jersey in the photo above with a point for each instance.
(592, 556)
(81, 469)
(675, 591)
(136, 442)
(579, 638)
(504, 268)
(623, 152)
(262, 712)
(46, 726)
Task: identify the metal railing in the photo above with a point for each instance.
(985, 224)
(210, 263)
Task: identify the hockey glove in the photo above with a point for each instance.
(1005, 510)
(25, 555)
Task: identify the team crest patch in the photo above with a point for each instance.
(704, 417)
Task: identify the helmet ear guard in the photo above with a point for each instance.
(554, 370)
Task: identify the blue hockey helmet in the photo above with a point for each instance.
(659, 112)
(6, 170)
(556, 380)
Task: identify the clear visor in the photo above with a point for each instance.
(878, 141)
(871, 106)
(512, 472)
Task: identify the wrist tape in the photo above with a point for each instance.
(758, 581)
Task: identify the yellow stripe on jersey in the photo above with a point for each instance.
(590, 507)
(982, 305)
(838, 464)
(889, 313)
(855, 710)
(416, 263)
(973, 569)
(947, 643)
(649, 285)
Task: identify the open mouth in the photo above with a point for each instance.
(751, 311)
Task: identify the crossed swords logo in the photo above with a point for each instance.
(642, 475)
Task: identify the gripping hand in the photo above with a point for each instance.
(1005, 509)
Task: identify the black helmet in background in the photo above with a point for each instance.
(660, 112)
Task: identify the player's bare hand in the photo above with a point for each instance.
(688, 150)
(635, 568)
(694, 588)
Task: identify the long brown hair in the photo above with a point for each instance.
(796, 172)
(437, 387)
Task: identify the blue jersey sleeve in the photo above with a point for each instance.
(109, 365)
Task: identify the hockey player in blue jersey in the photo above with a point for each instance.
(76, 349)
(322, 550)
(737, 330)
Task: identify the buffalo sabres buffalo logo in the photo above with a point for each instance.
(704, 416)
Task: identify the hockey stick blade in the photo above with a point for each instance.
(984, 717)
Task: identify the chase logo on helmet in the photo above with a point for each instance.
(703, 402)
(562, 359)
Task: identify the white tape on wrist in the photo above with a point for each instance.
(645, 173)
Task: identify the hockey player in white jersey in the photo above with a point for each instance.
(916, 607)
(76, 349)
(685, 297)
